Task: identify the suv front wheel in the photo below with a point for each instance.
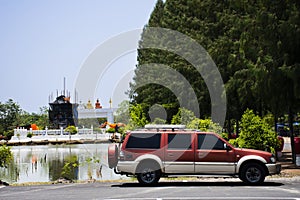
(148, 174)
(252, 173)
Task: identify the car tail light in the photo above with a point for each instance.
(121, 155)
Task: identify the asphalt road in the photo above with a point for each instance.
(281, 188)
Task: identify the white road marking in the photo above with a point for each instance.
(37, 190)
(289, 190)
(138, 193)
(214, 198)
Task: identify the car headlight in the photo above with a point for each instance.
(273, 159)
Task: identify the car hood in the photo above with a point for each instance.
(245, 152)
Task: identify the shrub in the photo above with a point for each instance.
(121, 130)
(5, 156)
(256, 133)
(29, 135)
(205, 125)
(8, 134)
(159, 121)
(71, 129)
(225, 136)
(234, 142)
(183, 116)
(70, 167)
(137, 116)
(110, 130)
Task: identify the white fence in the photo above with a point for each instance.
(59, 135)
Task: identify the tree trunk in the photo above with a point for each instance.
(237, 128)
(292, 135)
(229, 127)
(275, 122)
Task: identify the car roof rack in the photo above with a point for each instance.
(164, 126)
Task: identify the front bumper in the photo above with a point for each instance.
(274, 168)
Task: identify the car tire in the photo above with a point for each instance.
(252, 173)
(148, 174)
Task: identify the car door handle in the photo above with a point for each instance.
(201, 155)
(170, 154)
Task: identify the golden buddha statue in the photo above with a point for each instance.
(89, 105)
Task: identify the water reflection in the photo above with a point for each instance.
(51, 162)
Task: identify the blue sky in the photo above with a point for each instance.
(44, 41)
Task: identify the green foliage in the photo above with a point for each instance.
(71, 129)
(110, 130)
(206, 125)
(234, 142)
(5, 156)
(88, 122)
(269, 119)
(256, 134)
(137, 116)
(92, 160)
(184, 116)
(70, 166)
(225, 136)
(43, 118)
(40, 119)
(8, 134)
(122, 113)
(121, 130)
(29, 135)
(8, 115)
(159, 121)
(255, 45)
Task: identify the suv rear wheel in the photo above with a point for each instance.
(252, 173)
(148, 174)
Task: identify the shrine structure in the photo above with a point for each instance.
(88, 111)
(63, 113)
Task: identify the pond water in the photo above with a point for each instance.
(50, 162)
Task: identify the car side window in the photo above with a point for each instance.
(144, 141)
(209, 141)
(179, 141)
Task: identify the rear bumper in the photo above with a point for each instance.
(274, 168)
(126, 167)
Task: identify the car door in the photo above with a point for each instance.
(179, 153)
(212, 157)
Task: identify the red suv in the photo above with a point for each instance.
(165, 150)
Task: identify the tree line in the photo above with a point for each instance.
(12, 116)
(255, 45)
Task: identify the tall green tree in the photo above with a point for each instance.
(8, 115)
(40, 119)
(255, 46)
(122, 114)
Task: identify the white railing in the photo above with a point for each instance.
(59, 134)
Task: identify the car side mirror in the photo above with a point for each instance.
(227, 148)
